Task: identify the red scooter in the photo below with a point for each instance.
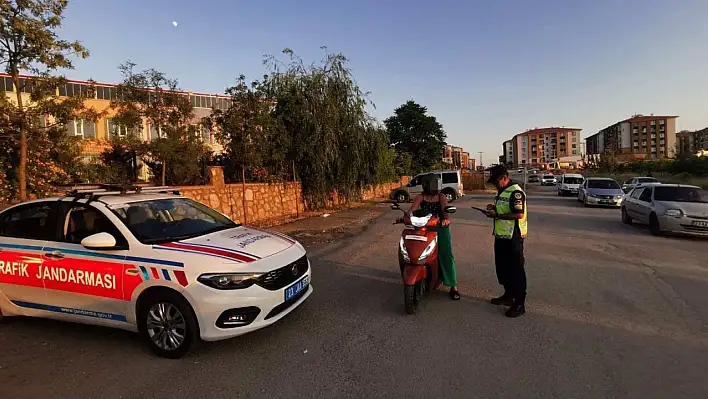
(418, 256)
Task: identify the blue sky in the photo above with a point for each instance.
(486, 69)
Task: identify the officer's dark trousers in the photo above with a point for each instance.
(509, 259)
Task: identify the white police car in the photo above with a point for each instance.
(147, 260)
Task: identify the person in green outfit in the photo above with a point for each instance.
(431, 201)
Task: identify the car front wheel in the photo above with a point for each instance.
(168, 324)
(625, 216)
(449, 195)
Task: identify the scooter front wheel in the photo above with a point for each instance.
(410, 299)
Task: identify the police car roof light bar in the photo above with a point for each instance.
(118, 189)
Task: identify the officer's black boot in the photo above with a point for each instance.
(516, 311)
(504, 300)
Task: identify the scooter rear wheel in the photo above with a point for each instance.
(410, 299)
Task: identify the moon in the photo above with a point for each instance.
(174, 23)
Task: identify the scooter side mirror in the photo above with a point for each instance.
(395, 207)
(450, 209)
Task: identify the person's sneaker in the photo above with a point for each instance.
(504, 300)
(516, 311)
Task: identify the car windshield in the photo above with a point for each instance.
(572, 180)
(647, 180)
(603, 184)
(678, 194)
(173, 219)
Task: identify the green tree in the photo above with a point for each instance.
(254, 144)
(411, 130)
(175, 153)
(29, 44)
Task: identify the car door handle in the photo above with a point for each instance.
(54, 255)
(132, 272)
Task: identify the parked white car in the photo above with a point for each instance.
(569, 183)
(149, 261)
(548, 180)
(669, 208)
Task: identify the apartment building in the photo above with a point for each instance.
(96, 135)
(507, 157)
(638, 137)
(539, 147)
(456, 157)
(692, 142)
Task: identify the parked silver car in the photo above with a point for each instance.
(601, 191)
(670, 208)
(452, 186)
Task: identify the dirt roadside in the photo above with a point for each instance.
(332, 226)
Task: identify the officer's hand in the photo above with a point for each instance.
(445, 222)
(491, 213)
(490, 207)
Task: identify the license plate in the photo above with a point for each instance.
(699, 223)
(296, 288)
(607, 202)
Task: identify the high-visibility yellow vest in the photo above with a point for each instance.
(505, 228)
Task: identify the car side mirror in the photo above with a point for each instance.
(450, 209)
(99, 241)
(395, 206)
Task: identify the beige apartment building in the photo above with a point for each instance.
(638, 137)
(540, 147)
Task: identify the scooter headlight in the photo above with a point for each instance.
(404, 251)
(428, 250)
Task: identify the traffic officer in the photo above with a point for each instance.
(510, 225)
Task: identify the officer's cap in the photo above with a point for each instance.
(495, 172)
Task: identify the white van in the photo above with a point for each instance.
(569, 184)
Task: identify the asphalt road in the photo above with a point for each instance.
(612, 312)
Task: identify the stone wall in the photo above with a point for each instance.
(262, 201)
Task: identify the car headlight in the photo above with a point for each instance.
(404, 251)
(229, 281)
(677, 213)
(428, 250)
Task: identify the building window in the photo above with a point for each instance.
(72, 89)
(82, 128)
(653, 123)
(661, 122)
(118, 131)
(6, 84)
(575, 152)
(156, 132)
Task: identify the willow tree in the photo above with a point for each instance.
(331, 138)
(29, 45)
(174, 149)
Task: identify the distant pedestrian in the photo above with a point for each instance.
(649, 174)
(510, 225)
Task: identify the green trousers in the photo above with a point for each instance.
(445, 257)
